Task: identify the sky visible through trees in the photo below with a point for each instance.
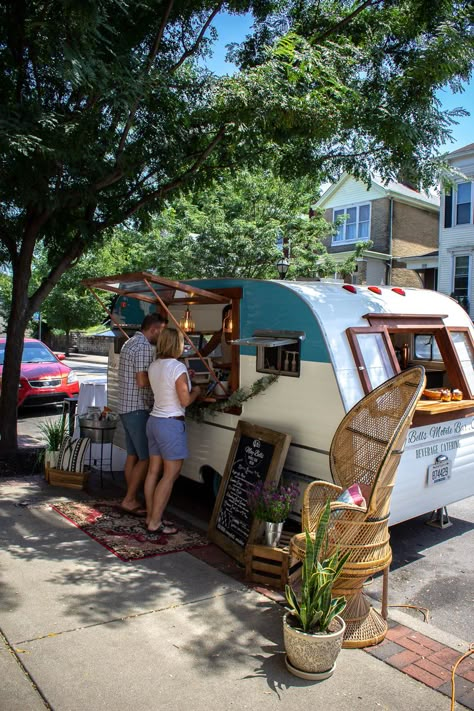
(232, 28)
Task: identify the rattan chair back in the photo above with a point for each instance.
(366, 449)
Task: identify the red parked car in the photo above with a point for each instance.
(44, 380)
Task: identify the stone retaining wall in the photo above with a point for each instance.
(80, 343)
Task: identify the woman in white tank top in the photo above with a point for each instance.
(166, 428)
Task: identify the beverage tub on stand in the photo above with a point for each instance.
(101, 434)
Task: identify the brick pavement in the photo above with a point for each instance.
(428, 661)
(411, 652)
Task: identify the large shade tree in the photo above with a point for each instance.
(105, 110)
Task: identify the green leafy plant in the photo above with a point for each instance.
(198, 412)
(315, 607)
(54, 431)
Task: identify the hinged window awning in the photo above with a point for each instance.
(271, 339)
(144, 286)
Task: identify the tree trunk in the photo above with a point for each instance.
(68, 344)
(17, 323)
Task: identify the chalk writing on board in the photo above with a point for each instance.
(250, 465)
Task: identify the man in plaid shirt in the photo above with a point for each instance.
(135, 403)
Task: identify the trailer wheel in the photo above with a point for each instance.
(212, 480)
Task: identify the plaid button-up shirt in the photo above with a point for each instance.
(136, 355)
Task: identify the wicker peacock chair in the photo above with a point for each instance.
(366, 450)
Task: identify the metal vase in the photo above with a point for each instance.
(273, 533)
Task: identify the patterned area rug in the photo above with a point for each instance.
(125, 535)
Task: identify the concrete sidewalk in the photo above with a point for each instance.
(83, 630)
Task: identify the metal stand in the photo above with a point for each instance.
(102, 434)
(439, 518)
(105, 463)
(69, 413)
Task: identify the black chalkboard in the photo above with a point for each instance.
(257, 454)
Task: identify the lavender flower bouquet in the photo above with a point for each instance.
(272, 502)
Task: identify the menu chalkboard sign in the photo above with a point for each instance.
(257, 454)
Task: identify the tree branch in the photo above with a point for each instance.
(55, 274)
(176, 183)
(9, 243)
(347, 19)
(67, 259)
(188, 52)
(151, 57)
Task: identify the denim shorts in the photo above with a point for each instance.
(167, 438)
(134, 425)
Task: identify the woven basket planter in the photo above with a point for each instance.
(312, 656)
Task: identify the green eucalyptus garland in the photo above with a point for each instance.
(198, 411)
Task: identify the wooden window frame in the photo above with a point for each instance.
(352, 334)
(386, 324)
(464, 385)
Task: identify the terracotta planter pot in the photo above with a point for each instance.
(312, 656)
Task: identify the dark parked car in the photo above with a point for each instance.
(44, 379)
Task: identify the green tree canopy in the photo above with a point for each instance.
(105, 111)
(240, 225)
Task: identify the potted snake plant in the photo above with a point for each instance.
(312, 628)
(54, 432)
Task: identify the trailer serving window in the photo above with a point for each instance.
(393, 342)
(278, 352)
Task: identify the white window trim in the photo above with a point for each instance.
(469, 270)
(336, 242)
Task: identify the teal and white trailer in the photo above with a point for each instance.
(329, 344)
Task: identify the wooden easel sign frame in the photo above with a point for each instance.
(257, 454)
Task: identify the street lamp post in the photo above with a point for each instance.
(282, 265)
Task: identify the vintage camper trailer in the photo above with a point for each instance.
(329, 344)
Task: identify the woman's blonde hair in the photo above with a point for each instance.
(170, 344)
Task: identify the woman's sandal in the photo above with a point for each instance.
(164, 529)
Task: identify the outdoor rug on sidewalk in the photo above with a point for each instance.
(123, 534)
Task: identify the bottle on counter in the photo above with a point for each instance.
(404, 356)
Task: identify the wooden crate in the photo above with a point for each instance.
(69, 480)
(272, 566)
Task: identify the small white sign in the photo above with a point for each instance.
(441, 471)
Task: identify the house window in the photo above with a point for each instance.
(463, 204)
(355, 225)
(461, 277)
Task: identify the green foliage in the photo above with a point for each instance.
(106, 108)
(5, 295)
(315, 608)
(232, 228)
(54, 432)
(198, 411)
(70, 306)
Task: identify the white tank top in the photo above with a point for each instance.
(163, 374)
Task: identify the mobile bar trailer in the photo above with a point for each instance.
(328, 344)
